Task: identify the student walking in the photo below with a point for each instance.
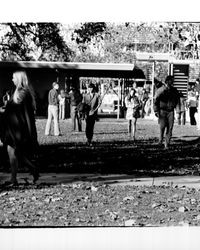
(19, 134)
(53, 110)
(166, 100)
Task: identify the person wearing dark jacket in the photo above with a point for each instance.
(75, 98)
(19, 134)
(167, 98)
(92, 100)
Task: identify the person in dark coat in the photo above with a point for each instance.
(75, 99)
(92, 100)
(167, 98)
(19, 133)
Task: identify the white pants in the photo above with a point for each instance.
(52, 114)
(62, 111)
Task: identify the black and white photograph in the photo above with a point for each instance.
(100, 132)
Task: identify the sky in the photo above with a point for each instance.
(67, 11)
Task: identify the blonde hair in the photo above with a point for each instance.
(22, 88)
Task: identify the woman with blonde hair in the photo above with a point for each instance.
(19, 129)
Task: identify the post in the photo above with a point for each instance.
(153, 76)
(118, 105)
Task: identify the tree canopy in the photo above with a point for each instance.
(96, 41)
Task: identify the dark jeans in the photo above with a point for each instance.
(75, 118)
(181, 118)
(89, 131)
(166, 122)
(192, 112)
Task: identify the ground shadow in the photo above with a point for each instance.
(125, 157)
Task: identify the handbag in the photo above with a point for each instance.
(83, 109)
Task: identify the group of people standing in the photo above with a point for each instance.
(167, 101)
(90, 101)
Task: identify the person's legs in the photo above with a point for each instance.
(32, 168)
(13, 163)
(179, 115)
(55, 119)
(192, 118)
(90, 121)
(162, 123)
(170, 124)
(183, 117)
(73, 118)
(130, 128)
(49, 119)
(78, 119)
(134, 127)
(63, 111)
(60, 111)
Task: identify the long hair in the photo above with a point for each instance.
(22, 88)
(129, 96)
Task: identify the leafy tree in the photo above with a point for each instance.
(87, 32)
(34, 41)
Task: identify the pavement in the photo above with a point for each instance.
(114, 180)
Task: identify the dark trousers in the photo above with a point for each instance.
(166, 122)
(75, 118)
(89, 130)
(192, 112)
(181, 118)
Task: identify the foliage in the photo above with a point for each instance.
(98, 41)
(87, 31)
(34, 41)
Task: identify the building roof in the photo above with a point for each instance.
(81, 69)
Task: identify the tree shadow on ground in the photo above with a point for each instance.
(125, 158)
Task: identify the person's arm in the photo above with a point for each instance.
(178, 102)
(128, 104)
(156, 104)
(19, 95)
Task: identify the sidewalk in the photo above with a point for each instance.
(55, 178)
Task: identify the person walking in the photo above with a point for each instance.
(133, 106)
(19, 134)
(53, 110)
(92, 100)
(167, 98)
(62, 98)
(75, 99)
(181, 111)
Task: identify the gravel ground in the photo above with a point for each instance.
(82, 203)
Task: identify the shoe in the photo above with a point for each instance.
(35, 175)
(166, 146)
(89, 143)
(11, 183)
